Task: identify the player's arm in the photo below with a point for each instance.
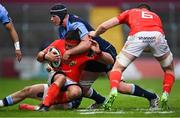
(84, 45)
(14, 36)
(104, 57)
(44, 55)
(104, 27)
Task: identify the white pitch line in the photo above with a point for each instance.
(160, 112)
(100, 112)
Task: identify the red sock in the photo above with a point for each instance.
(168, 82)
(53, 92)
(62, 98)
(115, 77)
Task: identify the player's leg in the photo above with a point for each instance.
(135, 90)
(73, 92)
(115, 75)
(41, 95)
(163, 54)
(131, 50)
(87, 79)
(54, 89)
(33, 91)
(166, 62)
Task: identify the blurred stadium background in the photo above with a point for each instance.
(32, 22)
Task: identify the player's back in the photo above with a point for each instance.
(142, 20)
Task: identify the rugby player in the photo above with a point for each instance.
(145, 31)
(7, 22)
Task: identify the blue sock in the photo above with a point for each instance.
(97, 97)
(138, 91)
(8, 101)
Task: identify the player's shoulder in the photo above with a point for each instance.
(134, 10)
(74, 18)
(2, 9)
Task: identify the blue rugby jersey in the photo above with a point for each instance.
(4, 18)
(76, 23)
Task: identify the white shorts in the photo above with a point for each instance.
(51, 75)
(155, 40)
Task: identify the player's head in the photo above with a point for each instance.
(72, 39)
(59, 10)
(143, 5)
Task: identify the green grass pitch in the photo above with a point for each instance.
(124, 105)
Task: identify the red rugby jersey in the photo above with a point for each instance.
(75, 64)
(140, 20)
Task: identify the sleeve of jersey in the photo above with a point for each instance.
(81, 29)
(123, 17)
(4, 18)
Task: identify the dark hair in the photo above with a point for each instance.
(59, 10)
(143, 5)
(73, 35)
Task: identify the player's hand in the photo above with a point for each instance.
(66, 55)
(95, 46)
(92, 34)
(18, 55)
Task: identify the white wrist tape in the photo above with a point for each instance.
(17, 45)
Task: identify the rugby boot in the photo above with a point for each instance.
(164, 100)
(153, 103)
(109, 101)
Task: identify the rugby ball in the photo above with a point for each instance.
(55, 51)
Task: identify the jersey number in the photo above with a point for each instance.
(145, 14)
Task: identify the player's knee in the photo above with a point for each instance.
(167, 63)
(59, 79)
(27, 91)
(76, 92)
(123, 60)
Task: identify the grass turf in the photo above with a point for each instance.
(124, 105)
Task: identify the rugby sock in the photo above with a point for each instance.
(138, 91)
(168, 82)
(8, 101)
(97, 97)
(115, 77)
(52, 93)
